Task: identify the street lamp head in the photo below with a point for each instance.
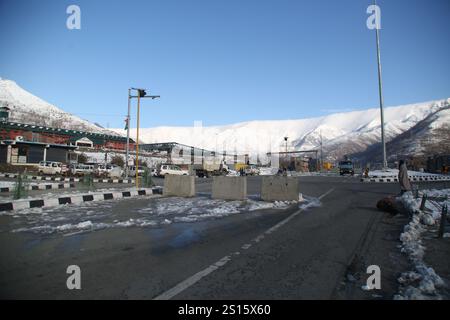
(285, 138)
(142, 93)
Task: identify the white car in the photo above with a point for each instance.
(82, 169)
(166, 169)
(52, 167)
(132, 171)
(115, 172)
(252, 170)
(108, 170)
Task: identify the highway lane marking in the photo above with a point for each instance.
(185, 284)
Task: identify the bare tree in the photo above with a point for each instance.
(438, 142)
(118, 160)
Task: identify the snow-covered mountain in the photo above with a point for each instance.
(413, 141)
(342, 133)
(356, 132)
(27, 108)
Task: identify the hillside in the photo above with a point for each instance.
(356, 132)
(342, 133)
(27, 108)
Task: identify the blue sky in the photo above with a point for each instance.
(224, 61)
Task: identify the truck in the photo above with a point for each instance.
(249, 169)
(207, 169)
(346, 167)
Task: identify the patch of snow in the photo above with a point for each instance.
(92, 216)
(423, 282)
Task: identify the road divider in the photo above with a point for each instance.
(179, 186)
(277, 188)
(229, 188)
(65, 179)
(77, 198)
(41, 186)
(412, 179)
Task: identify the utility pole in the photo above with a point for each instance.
(286, 154)
(137, 140)
(128, 135)
(286, 139)
(380, 92)
(321, 152)
(141, 93)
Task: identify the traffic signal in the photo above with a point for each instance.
(142, 93)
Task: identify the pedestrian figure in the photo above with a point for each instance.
(403, 178)
(366, 172)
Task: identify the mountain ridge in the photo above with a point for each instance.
(343, 133)
(28, 108)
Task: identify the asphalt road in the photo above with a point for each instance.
(294, 253)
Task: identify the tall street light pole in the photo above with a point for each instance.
(128, 133)
(137, 139)
(380, 92)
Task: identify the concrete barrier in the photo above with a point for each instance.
(275, 188)
(229, 188)
(179, 186)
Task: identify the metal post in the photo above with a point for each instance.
(321, 152)
(424, 200)
(380, 91)
(137, 141)
(128, 135)
(442, 222)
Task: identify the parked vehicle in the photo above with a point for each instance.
(207, 169)
(166, 169)
(240, 165)
(346, 167)
(52, 167)
(102, 170)
(115, 172)
(251, 170)
(81, 169)
(153, 172)
(108, 170)
(132, 171)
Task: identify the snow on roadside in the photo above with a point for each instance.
(394, 173)
(422, 283)
(268, 171)
(156, 212)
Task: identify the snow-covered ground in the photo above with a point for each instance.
(422, 282)
(93, 216)
(394, 173)
(270, 171)
(99, 157)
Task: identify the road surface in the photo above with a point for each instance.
(273, 253)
